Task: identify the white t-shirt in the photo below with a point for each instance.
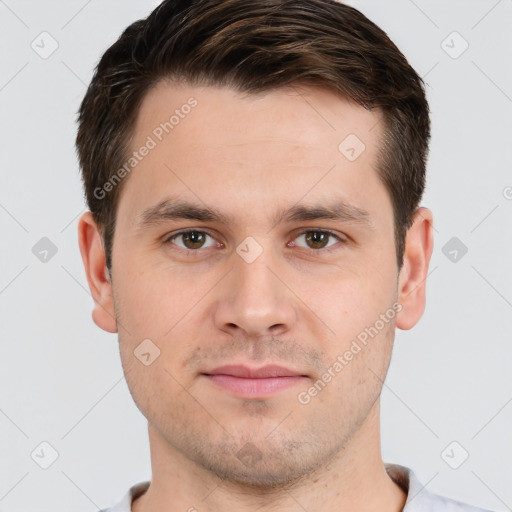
(419, 499)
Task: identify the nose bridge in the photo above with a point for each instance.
(252, 297)
(255, 282)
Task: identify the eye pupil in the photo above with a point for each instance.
(317, 237)
(195, 237)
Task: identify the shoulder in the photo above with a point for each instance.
(125, 505)
(449, 505)
(420, 499)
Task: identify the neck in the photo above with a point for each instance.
(355, 480)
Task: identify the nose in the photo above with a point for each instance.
(254, 299)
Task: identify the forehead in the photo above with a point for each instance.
(272, 148)
(309, 115)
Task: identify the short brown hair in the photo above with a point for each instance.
(255, 46)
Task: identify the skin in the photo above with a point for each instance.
(296, 304)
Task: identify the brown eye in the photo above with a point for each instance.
(191, 239)
(319, 239)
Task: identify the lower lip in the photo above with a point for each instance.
(254, 388)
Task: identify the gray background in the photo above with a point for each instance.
(61, 381)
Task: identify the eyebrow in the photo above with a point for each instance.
(175, 209)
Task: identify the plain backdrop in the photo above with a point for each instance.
(447, 400)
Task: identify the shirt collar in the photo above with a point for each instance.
(418, 497)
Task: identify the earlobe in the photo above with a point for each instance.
(93, 257)
(412, 280)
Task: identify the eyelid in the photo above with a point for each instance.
(176, 234)
(342, 239)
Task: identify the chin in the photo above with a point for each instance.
(272, 470)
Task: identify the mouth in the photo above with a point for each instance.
(246, 382)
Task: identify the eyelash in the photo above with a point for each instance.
(343, 241)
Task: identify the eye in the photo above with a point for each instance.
(315, 239)
(193, 239)
(318, 239)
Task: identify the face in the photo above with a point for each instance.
(257, 281)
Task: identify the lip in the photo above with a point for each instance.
(246, 382)
(267, 371)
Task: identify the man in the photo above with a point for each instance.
(254, 172)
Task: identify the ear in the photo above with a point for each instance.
(413, 274)
(93, 256)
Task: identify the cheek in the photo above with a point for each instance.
(151, 301)
(154, 388)
(348, 302)
(360, 362)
